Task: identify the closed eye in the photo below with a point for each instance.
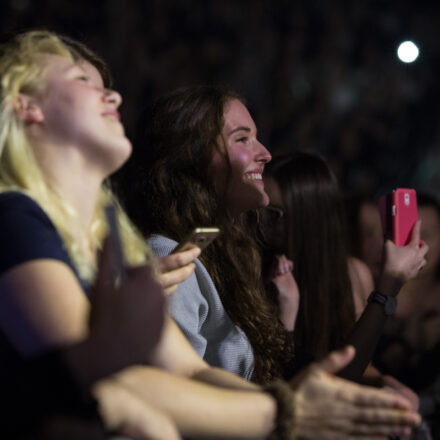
(83, 78)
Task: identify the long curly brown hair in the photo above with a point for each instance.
(171, 191)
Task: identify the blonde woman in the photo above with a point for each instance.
(60, 138)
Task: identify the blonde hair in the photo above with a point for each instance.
(21, 71)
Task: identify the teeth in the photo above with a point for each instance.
(254, 176)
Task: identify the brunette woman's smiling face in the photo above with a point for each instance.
(242, 182)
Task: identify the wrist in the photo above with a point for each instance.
(389, 284)
(284, 419)
(389, 303)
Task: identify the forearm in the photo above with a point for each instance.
(288, 313)
(368, 329)
(127, 414)
(364, 338)
(224, 379)
(203, 411)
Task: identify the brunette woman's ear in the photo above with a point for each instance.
(27, 109)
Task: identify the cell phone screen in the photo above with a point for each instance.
(200, 237)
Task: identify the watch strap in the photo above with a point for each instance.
(388, 302)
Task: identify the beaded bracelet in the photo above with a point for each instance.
(284, 422)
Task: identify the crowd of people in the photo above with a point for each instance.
(320, 76)
(105, 330)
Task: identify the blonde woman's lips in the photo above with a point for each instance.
(113, 113)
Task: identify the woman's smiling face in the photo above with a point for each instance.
(242, 183)
(77, 111)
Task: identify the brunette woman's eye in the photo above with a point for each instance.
(83, 78)
(242, 139)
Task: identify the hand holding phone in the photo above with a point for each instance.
(405, 257)
(178, 266)
(200, 237)
(398, 212)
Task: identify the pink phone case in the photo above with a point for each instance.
(404, 212)
(398, 213)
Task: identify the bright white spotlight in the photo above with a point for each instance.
(407, 52)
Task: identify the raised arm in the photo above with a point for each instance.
(400, 265)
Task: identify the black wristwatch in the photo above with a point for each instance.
(389, 302)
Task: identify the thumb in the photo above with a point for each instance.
(415, 233)
(337, 360)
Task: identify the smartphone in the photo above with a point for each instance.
(200, 237)
(113, 232)
(398, 212)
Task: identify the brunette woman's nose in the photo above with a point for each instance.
(263, 154)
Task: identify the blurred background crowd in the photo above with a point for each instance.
(321, 76)
(318, 75)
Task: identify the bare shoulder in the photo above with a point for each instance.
(360, 274)
(361, 281)
(42, 305)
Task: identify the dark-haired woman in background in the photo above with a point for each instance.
(310, 230)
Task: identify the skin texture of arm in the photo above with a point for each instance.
(200, 410)
(288, 292)
(42, 306)
(362, 284)
(129, 415)
(175, 355)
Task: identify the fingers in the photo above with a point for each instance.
(415, 233)
(398, 387)
(179, 259)
(417, 242)
(284, 265)
(383, 417)
(336, 360)
(392, 382)
(176, 268)
(368, 425)
(369, 397)
(329, 434)
(423, 248)
(170, 280)
(169, 291)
